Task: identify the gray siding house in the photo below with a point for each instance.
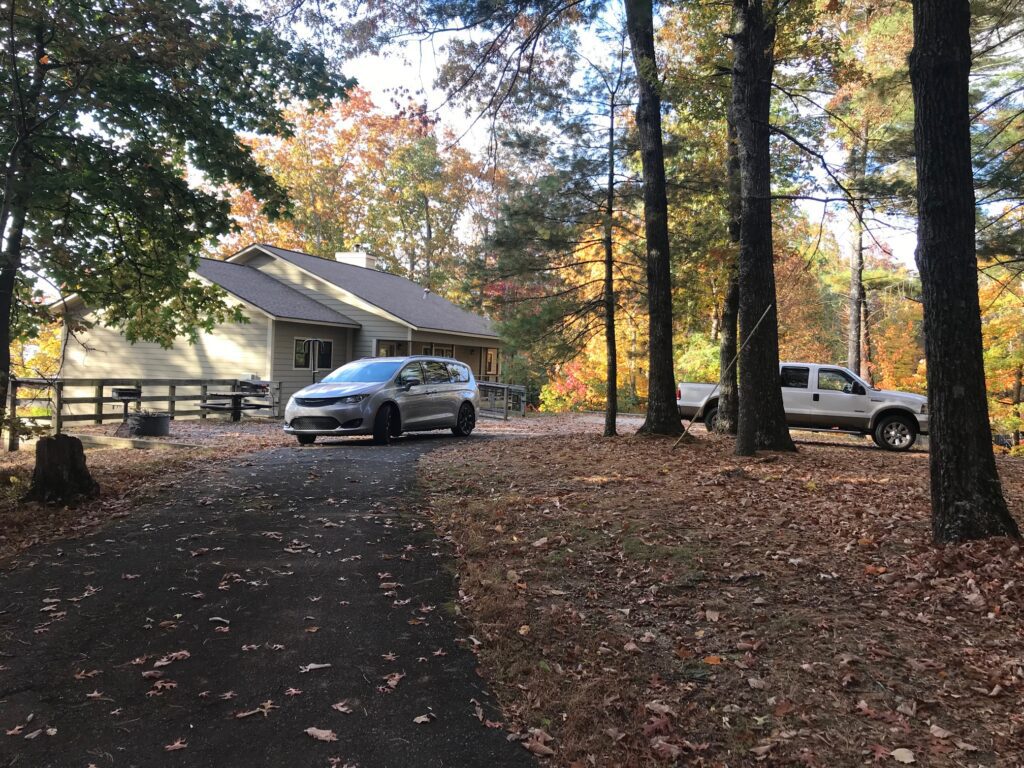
(346, 306)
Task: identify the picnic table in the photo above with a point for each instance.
(236, 402)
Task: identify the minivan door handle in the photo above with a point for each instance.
(816, 397)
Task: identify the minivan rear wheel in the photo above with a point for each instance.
(383, 425)
(466, 421)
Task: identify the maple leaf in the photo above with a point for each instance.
(421, 719)
(176, 745)
(292, 692)
(94, 695)
(342, 706)
(321, 734)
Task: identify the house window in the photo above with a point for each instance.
(491, 366)
(390, 348)
(440, 350)
(324, 353)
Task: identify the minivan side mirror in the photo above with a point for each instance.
(858, 388)
(409, 383)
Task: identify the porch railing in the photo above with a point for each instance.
(499, 401)
(60, 396)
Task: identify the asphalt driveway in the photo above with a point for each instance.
(278, 612)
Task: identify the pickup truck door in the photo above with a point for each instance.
(840, 401)
(796, 395)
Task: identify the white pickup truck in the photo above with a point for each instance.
(828, 398)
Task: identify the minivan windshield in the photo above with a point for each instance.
(363, 372)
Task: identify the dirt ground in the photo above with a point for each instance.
(643, 606)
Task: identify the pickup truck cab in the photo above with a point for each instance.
(828, 398)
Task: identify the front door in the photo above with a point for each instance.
(839, 403)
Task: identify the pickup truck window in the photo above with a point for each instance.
(834, 381)
(795, 378)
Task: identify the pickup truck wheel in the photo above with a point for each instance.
(895, 432)
(711, 418)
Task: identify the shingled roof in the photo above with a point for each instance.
(396, 295)
(272, 296)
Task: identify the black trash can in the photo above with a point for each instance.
(149, 424)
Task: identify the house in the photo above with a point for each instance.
(306, 316)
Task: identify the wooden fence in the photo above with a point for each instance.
(62, 395)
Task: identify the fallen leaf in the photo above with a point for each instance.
(176, 745)
(939, 733)
(322, 734)
(713, 660)
(312, 667)
(903, 755)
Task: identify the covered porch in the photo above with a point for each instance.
(481, 353)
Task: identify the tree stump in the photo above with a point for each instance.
(60, 473)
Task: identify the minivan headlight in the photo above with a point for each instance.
(348, 399)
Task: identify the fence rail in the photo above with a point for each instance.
(497, 401)
(52, 393)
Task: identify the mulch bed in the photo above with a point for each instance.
(636, 605)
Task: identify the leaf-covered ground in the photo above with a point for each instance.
(640, 606)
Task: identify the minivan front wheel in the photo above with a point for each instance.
(895, 432)
(306, 439)
(466, 421)
(384, 425)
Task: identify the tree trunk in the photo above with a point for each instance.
(662, 412)
(611, 353)
(728, 401)
(858, 170)
(967, 500)
(867, 352)
(853, 337)
(1018, 386)
(11, 263)
(60, 473)
(762, 419)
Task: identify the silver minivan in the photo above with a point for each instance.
(384, 397)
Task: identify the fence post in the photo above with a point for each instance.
(98, 409)
(276, 396)
(58, 407)
(202, 400)
(171, 390)
(12, 437)
(506, 402)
